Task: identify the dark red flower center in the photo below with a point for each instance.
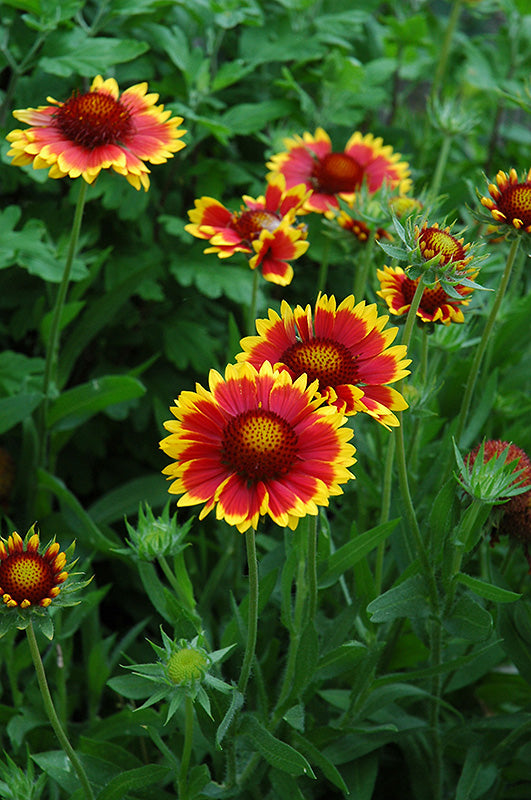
(250, 224)
(26, 576)
(337, 173)
(515, 202)
(431, 300)
(325, 360)
(93, 119)
(434, 242)
(259, 445)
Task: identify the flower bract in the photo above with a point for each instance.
(329, 174)
(436, 305)
(510, 200)
(264, 227)
(345, 348)
(95, 130)
(257, 443)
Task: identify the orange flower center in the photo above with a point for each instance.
(515, 202)
(434, 242)
(336, 173)
(329, 362)
(250, 224)
(26, 576)
(93, 119)
(431, 300)
(259, 445)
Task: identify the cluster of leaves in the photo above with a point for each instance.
(148, 314)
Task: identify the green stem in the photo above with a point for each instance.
(478, 356)
(251, 319)
(52, 348)
(52, 714)
(362, 273)
(444, 51)
(323, 268)
(252, 618)
(436, 660)
(312, 565)
(384, 513)
(440, 167)
(187, 747)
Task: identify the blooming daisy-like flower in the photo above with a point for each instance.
(28, 577)
(99, 129)
(510, 200)
(346, 349)
(264, 227)
(257, 443)
(436, 305)
(331, 174)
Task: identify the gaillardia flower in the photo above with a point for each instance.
(510, 200)
(257, 443)
(264, 227)
(359, 229)
(346, 349)
(99, 129)
(436, 305)
(28, 577)
(331, 174)
(434, 242)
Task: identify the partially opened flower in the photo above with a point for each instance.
(510, 201)
(440, 244)
(436, 305)
(359, 229)
(346, 349)
(95, 130)
(331, 174)
(265, 227)
(257, 443)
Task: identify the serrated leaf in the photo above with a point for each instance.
(277, 753)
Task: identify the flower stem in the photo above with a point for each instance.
(52, 348)
(252, 617)
(478, 356)
(444, 51)
(323, 268)
(187, 746)
(252, 305)
(312, 565)
(384, 513)
(360, 280)
(52, 714)
(441, 166)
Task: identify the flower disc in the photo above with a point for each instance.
(26, 576)
(325, 360)
(336, 173)
(93, 119)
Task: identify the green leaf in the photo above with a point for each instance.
(134, 779)
(135, 687)
(16, 409)
(78, 404)
(476, 777)
(352, 552)
(124, 500)
(487, 590)
(306, 661)
(321, 761)
(514, 626)
(252, 117)
(468, 620)
(443, 516)
(341, 659)
(235, 704)
(277, 753)
(408, 599)
(75, 53)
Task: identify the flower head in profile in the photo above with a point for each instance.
(33, 577)
(257, 443)
(346, 349)
(509, 203)
(184, 669)
(436, 304)
(95, 130)
(499, 472)
(331, 174)
(264, 227)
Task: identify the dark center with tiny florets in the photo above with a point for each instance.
(93, 119)
(337, 173)
(434, 242)
(432, 299)
(26, 576)
(515, 203)
(329, 362)
(259, 445)
(250, 224)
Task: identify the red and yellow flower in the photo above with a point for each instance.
(359, 229)
(265, 227)
(257, 443)
(510, 200)
(435, 242)
(27, 577)
(333, 174)
(346, 349)
(397, 289)
(99, 129)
